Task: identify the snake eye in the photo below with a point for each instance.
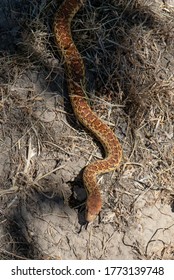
(90, 215)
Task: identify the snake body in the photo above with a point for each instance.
(76, 86)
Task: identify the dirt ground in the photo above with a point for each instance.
(127, 47)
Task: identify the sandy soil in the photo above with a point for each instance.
(128, 53)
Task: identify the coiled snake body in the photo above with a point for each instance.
(76, 86)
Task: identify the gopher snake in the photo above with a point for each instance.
(76, 86)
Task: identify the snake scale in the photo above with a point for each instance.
(76, 86)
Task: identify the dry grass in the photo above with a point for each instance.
(127, 47)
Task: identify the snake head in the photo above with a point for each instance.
(93, 206)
